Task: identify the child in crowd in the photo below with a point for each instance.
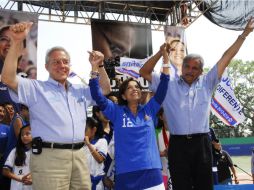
(16, 166)
(96, 151)
(163, 143)
(109, 179)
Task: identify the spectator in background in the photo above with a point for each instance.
(163, 143)
(96, 151)
(224, 165)
(5, 116)
(109, 178)
(4, 134)
(215, 154)
(23, 63)
(10, 109)
(113, 97)
(57, 114)
(19, 120)
(31, 72)
(104, 123)
(17, 164)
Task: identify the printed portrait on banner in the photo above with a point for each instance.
(175, 38)
(118, 40)
(28, 61)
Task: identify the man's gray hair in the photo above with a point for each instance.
(194, 56)
(57, 48)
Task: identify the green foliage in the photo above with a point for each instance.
(242, 79)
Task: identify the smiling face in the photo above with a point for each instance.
(58, 66)
(191, 70)
(4, 44)
(132, 92)
(10, 109)
(177, 53)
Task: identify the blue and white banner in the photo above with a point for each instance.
(130, 67)
(225, 105)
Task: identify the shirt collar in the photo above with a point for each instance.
(54, 82)
(181, 80)
(140, 107)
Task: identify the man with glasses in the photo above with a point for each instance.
(57, 115)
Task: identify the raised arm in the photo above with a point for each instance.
(161, 91)
(18, 33)
(234, 48)
(96, 58)
(147, 69)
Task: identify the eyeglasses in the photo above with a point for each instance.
(57, 62)
(5, 39)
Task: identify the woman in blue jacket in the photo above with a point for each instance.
(137, 159)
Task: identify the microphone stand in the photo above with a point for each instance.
(243, 170)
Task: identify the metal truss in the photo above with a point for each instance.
(155, 13)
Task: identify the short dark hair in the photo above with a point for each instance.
(95, 110)
(93, 123)
(123, 88)
(22, 107)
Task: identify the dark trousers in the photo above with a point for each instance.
(190, 162)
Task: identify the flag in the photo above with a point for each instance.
(73, 74)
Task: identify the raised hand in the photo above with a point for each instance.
(87, 141)
(19, 31)
(165, 49)
(96, 58)
(249, 27)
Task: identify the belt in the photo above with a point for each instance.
(74, 146)
(190, 136)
